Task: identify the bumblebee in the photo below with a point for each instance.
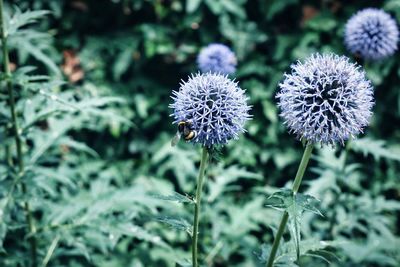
(185, 131)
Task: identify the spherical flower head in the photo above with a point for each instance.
(215, 106)
(371, 33)
(217, 58)
(326, 99)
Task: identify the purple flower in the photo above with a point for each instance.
(217, 58)
(215, 106)
(326, 99)
(372, 33)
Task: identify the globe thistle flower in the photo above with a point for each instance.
(214, 105)
(217, 58)
(372, 33)
(326, 99)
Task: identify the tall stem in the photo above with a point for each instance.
(296, 185)
(302, 168)
(8, 155)
(200, 179)
(18, 143)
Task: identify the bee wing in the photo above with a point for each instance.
(176, 139)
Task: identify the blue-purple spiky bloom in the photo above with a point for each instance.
(371, 33)
(326, 99)
(215, 106)
(217, 58)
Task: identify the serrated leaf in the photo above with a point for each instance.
(295, 213)
(308, 203)
(20, 19)
(39, 54)
(175, 197)
(375, 148)
(294, 205)
(49, 173)
(315, 244)
(310, 247)
(118, 229)
(177, 223)
(225, 177)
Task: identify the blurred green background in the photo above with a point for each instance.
(94, 196)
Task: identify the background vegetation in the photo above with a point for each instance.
(97, 147)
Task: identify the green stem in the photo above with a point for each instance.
(18, 143)
(296, 185)
(346, 154)
(200, 179)
(302, 168)
(8, 155)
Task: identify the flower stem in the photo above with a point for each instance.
(200, 179)
(296, 185)
(302, 168)
(8, 155)
(15, 128)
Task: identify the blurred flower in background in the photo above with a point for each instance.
(372, 33)
(326, 99)
(72, 66)
(217, 58)
(214, 105)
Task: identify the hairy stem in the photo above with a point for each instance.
(296, 185)
(15, 128)
(200, 180)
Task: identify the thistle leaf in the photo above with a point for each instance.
(175, 197)
(177, 223)
(375, 148)
(294, 205)
(21, 19)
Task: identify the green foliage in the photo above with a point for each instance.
(28, 41)
(175, 197)
(294, 205)
(375, 148)
(103, 180)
